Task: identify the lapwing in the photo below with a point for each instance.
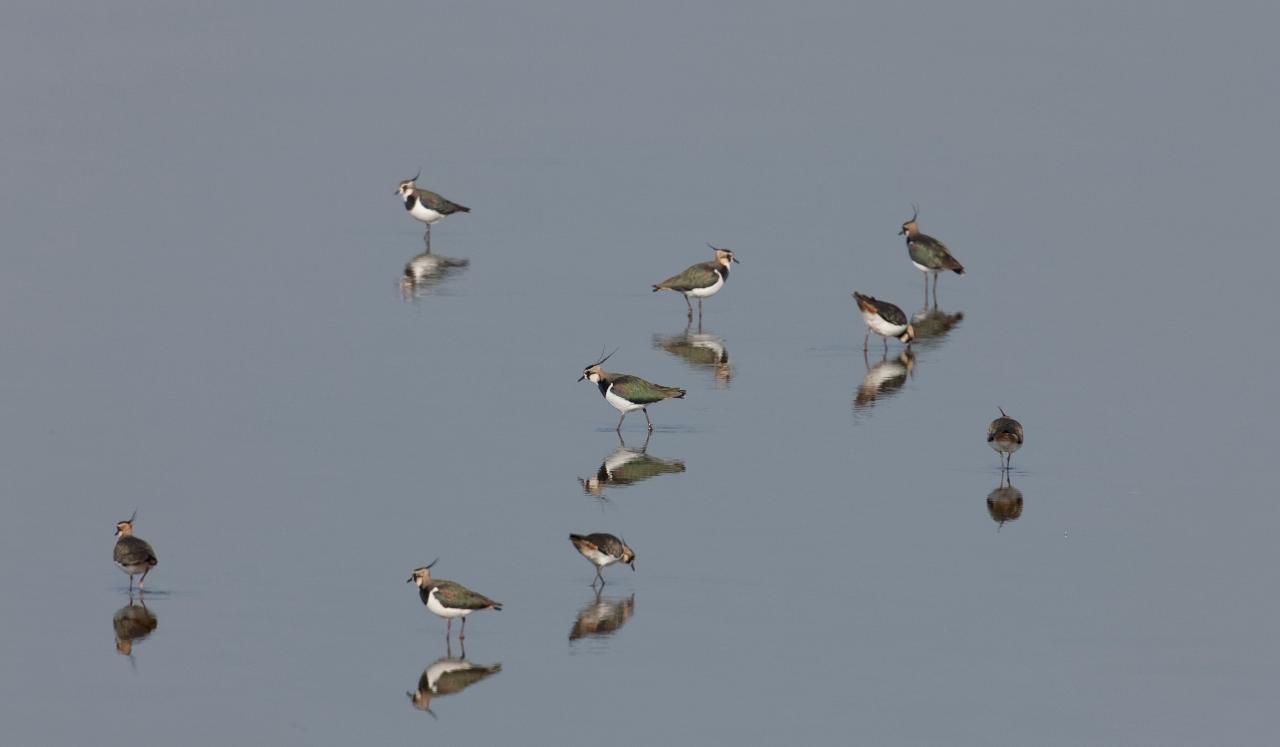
(884, 319)
(448, 676)
(627, 465)
(132, 624)
(133, 555)
(1005, 502)
(884, 378)
(700, 350)
(627, 393)
(702, 280)
(425, 205)
(1005, 436)
(448, 599)
(603, 550)
(928, 255)
(602, 617)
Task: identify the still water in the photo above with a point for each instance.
(205, 315)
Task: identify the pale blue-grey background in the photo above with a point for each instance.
(199, 317)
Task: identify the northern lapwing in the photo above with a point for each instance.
(627, 465)
(132, 624)
(133, 555)
(448, 599)
(426, 206)
(1005, 502)
(928, 255)
(627, 393)
(702, 280)
(1005, 436)
(603, 550)
(884, 319)
(602, 617)
(448, 676)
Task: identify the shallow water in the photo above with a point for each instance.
(203, 318)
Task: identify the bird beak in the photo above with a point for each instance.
(580, 378)
(902, 231)
(633, 567)
(410, 580)
(735, 261)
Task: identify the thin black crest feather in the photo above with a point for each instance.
(605, 358)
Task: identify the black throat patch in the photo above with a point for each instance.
(409, 201)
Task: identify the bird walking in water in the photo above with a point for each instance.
(132, 554)
(1005, 436)
(884, 319)
(928, 255)
(702, 280)
(425, 205)
(627, 393)
(448, 599)
(603, 550)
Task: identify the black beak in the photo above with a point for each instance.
(902, 231)
(580, 378)
(633, 566)
(410, 580)
(735, 260)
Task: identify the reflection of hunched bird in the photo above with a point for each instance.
(627, 465)
(602, 617)
(1005, 502)
(425, 205)
(934, 324)
(427, 270)
(132, 623)
(603, 550)
(885, 319)
(702, 280)
(133, 555)
(700, 350)
(884, 378)
(627, 393)
(928, 255)
(448, 599)
(1005, 436)
(448, 676)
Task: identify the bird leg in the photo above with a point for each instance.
(619, 428)
(886, 345)
(599, 576)
(686, 303)
(699, 311)
(142, 580)
(448, 627)
(645, 410)
(428, 235)
(462, 634)
(935, 291)
(130, 584)
(866, 337)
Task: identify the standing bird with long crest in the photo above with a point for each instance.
(448, 599)
(132, 554)
(425, 205)
(928, 254)
(1005, 436)
(702, 280)
(627, 393)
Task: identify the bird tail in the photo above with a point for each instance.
(657, 287)
(463, 209)
(497, 606)
(958, 268)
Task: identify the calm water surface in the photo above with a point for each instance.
(203, 317)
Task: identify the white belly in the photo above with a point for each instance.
(1005, 447)
(133, 570)
(424, 214)
(619, 404)
(709, 291)
(919, 266)
(599, 558)
(434, 605)
(881, 327)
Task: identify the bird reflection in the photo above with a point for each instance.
(426, 271)
(448, 676)
(934, 324)
(1005, 502)
(884, 378)
(702, 350)
(132, 623)
(627, 465)
(603, 617)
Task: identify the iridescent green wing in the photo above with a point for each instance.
(927, 251)
(439, 204)
(699, 276)
(133, 551)
(641, 392)
(644, 468)
(458, 597)
(460, 679)
(1007, 426)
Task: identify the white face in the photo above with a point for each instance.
(593, 377)
(406, 188)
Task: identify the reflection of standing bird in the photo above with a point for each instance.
(627, 393)
(702, 280)
(700, 350)
(602, 617)
(448, 599)
(603, 550)
(425, 205)
(1005, 436)
(132, 623)
(884, 378)
(448, 676)
(928, 255)
(884, 319)
(626, 465)
(1005, 502)
(133, 555)
(934, 324)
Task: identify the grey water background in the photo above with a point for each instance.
(200, 318)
